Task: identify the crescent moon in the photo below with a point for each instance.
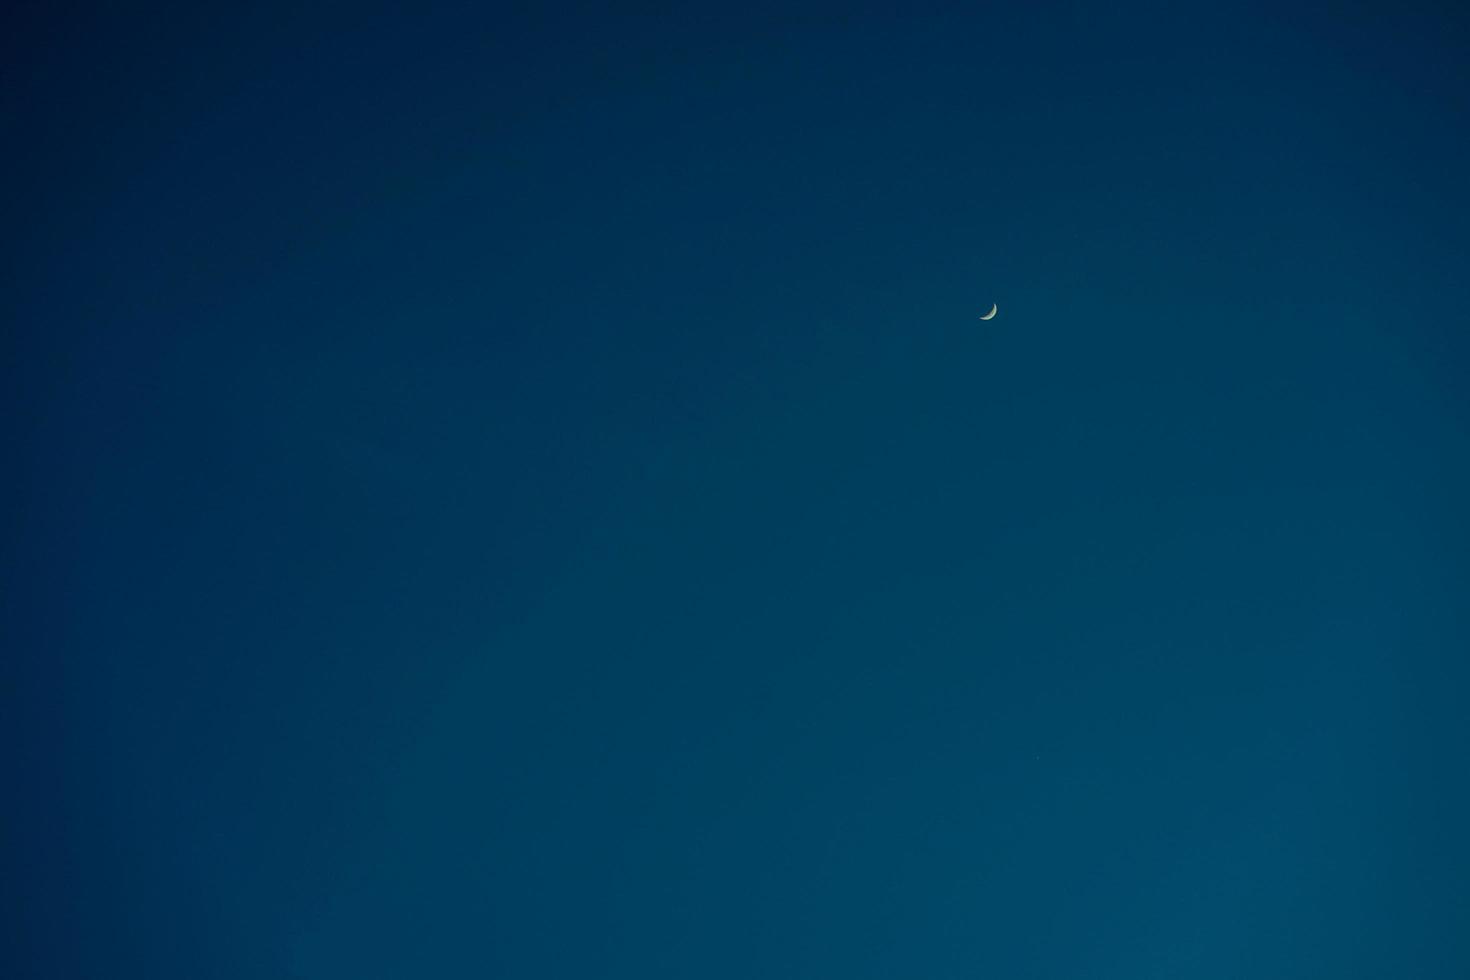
(991, 314)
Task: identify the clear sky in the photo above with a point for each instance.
(526, 492)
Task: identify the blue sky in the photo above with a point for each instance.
(527, 493)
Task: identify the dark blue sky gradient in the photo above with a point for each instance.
(525, 493)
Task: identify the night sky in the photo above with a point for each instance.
(525, 492)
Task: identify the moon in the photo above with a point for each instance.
(991, 314)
